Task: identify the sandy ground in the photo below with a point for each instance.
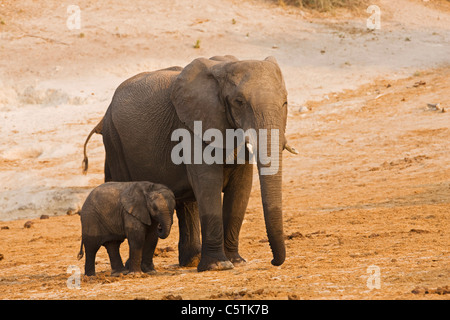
(368, 195)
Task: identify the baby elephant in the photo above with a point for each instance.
(138, 211)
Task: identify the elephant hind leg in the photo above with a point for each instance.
(114, 257)
(116, 168)
(91, 252)
(189, 245)
(108, 176)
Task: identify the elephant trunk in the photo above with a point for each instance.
(270, 176)
(165, 224)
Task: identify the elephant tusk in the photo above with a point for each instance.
(290, 149)
(249, 147)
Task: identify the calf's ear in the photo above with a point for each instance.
(134, 202)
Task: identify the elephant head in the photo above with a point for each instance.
(149, 201)
(225, 93)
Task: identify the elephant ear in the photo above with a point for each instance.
(196, 94)
(133, 199)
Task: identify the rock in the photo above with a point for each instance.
(162, 251)
(4, 228)
(28, 224)
(425, 290)
(72, 211)
(44, 216)
(419, 231)
(172, 297)
(439, 290)
(419, 83)
(294, 235)
(259, 291)
(1, 257)
(303, 109)
(419, 290)
(435, 107)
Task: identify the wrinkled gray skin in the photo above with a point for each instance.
(223, 93)
(138, 211)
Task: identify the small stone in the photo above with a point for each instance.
(419, 290)
(71, 211)
(419, 231)
(44, 216)
(434, 106)
(443, 290)
(303, 109)
(259, 291)
(28, 224)
(419, 83)
(294, 235)
(172, 297)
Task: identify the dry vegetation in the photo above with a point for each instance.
(324, 5)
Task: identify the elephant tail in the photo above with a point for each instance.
(98, 129)
(81, 253)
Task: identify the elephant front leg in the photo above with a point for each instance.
(151, 240)
(235, 201)
(136, 242)
(207, 182)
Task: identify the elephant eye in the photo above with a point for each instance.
(239, 101)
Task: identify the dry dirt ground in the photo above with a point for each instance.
(367, 198)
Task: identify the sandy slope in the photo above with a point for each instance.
(370, 187)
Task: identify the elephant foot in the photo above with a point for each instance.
(189, 259)
(210, 264)
(148, 268)
(118, 273)
(235, 258)
(129, 270)
(90, 275)
(150, 272)
(132, 273)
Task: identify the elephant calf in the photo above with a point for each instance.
(139, 211)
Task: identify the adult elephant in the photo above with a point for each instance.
(223, 93)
